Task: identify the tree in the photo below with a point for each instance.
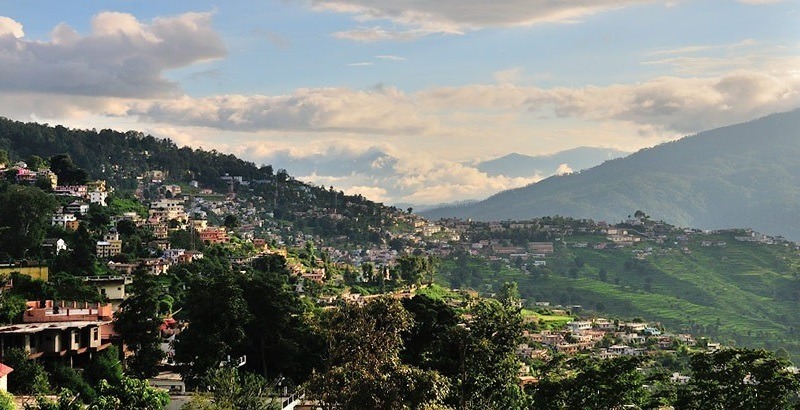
(738, 379)
(106, 366)
(480, 359)
(509, 295)
(585, 382)
(29, 375)
(363, 369)
(129, 394)
(230, 388)
(24, 219)
(138, 322)
(34, 162)
(4, 157)
(217, 314)
(231, 221)
(68, 173)
(6, 399)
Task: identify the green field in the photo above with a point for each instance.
(741, 294)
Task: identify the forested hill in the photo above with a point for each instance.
(745, 175)
(121, 157)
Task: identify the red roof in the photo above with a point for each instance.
(5, 370)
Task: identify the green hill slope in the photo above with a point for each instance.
(741, 293)
(742, 175)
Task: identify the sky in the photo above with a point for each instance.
(421, 90)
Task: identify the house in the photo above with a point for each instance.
(77, 207)
(110, 246)
(4, 372)
(54, 246)
(79, 191)
(215, 235)
(98, 197)
(112, 287)
(67, 221)
(49, 176)
(541, 247)
(73, 330)
(34, 271)
(98, 185)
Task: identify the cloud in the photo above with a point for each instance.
(375, 33)
(390, 58)
(406, 178)
(564, 169)
(120, 57)
(361, 64)
(458, 16)
(375, 111)
(10, 27)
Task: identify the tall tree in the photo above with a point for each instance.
(138, 322)
(739, 379)
(217, 314)
(24, 220)
(364, 370)
(585, 382)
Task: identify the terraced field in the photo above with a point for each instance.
(742, 293)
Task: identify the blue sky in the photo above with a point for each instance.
(434, 85)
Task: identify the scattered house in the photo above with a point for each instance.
(79, 191)
(54, 246)
(77, 207)
(67, 221)
(124, 268)
(213, 235)
(110, 246)
(98, 185)
(111, 287)
(98, 197)
(541, 247)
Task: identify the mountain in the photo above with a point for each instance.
(745, 175)
(519, 165)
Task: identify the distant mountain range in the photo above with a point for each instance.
(745, 175)
(519, 165)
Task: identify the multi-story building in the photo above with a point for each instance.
(110, 246)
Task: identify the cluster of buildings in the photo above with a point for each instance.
(603, 338)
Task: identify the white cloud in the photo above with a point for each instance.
(374, 34)
(390, 58)
(375, 111)
(422, 17)
(361, 64)
(10, 27)
(564, 169)
(120, 57)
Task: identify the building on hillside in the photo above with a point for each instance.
(98, 185)
(214, 235)
(111, 287)
(34, 271)
(53, 246)
(110, 246)
(71, 190)
(77, 207)
(67, 221)
(73, 330)
(49, 176)
(168, 209)
(98, 197)
(541, 247)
